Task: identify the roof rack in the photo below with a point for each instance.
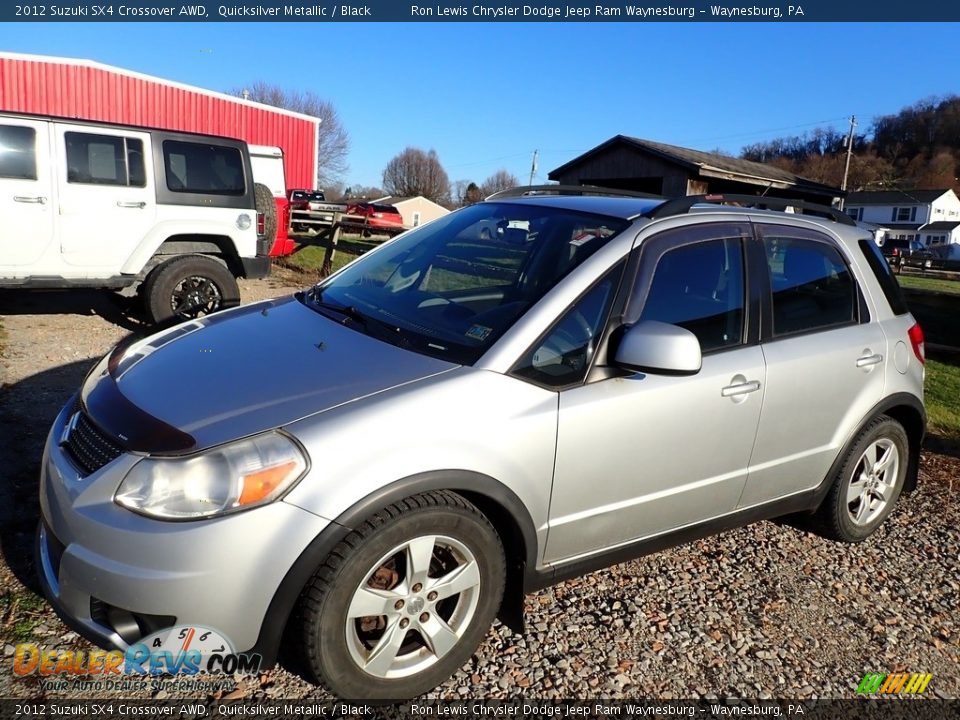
(527, 190)
(681, 206)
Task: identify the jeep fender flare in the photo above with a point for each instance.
(165, 230)
(501, 505)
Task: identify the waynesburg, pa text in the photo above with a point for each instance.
(634, 12)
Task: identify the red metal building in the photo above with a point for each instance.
(87, 90)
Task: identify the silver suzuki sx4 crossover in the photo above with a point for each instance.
(528, 389)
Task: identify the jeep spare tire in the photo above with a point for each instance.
(187, 287)
(265, 204)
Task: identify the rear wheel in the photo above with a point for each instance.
(404, 600)
(868, 484)
(188, 287)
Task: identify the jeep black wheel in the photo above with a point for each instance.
(188, 287)
(403, 601)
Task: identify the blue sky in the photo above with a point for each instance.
(486, 95)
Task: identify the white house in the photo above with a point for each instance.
(415, 210)
(930, 216)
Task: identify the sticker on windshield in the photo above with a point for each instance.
(479, 332)
(582, 238)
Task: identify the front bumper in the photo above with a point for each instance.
(114, 575)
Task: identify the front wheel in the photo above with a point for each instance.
(403, 601)
(188, 287)
(868, 484)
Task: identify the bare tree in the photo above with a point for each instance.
(500, 180)
(415, 172)
(363, 192)
(333, 143)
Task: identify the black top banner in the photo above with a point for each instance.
(485, 11)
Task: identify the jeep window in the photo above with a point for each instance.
(562, 357)
(811, 285)
(700, 287)
(203, 168)
(18, 152)
(452, 287)
(104, 160)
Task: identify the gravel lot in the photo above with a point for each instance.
(765, 611)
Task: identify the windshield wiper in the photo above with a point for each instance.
(347, 311)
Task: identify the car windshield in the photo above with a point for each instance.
(452, 287)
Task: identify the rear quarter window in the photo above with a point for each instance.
(203, 168)
(884, 274)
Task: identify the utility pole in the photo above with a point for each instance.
(533, 168)
(846, 168)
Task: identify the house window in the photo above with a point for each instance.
(904, 214)
(855, 213)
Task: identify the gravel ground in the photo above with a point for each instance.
(764, 611)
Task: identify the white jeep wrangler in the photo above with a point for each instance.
(173, 215)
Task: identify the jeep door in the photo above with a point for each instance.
(642, 454)
(825, 361)
(26, 195)
(107, 202)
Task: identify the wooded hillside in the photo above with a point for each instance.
(919, 147)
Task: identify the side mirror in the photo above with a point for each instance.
(657, 347)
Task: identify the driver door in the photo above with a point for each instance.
(644, 454)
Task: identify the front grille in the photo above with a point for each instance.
(88, 447)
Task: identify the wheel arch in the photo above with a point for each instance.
(495, 500)
(220, 247)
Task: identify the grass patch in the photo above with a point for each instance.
(942, 395)
(922, 282)
(310, 259)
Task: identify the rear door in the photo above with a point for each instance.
(107, 202)
(825, 361)
(26, 194)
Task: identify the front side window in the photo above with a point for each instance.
(192, 167)
(104, 160)
(18, 152)
(812, 288)
(562, 357)
(452, 287)
(700, 287)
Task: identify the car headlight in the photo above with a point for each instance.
(233, 477)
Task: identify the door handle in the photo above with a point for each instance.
(38, 199)
(130, 204)
(740, 388)
(868, 360)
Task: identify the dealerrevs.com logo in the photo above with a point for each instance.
(894, 683)
(181, 650)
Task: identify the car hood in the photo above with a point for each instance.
(238, 373)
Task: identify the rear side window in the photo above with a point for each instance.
(700, 288)
(812, 288)
(884, 274)
(104, 160)
(18, 152)
(203, 168)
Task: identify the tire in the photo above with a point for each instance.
(265, 204)
(188, 287)
(353, 655)
(860, 500)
